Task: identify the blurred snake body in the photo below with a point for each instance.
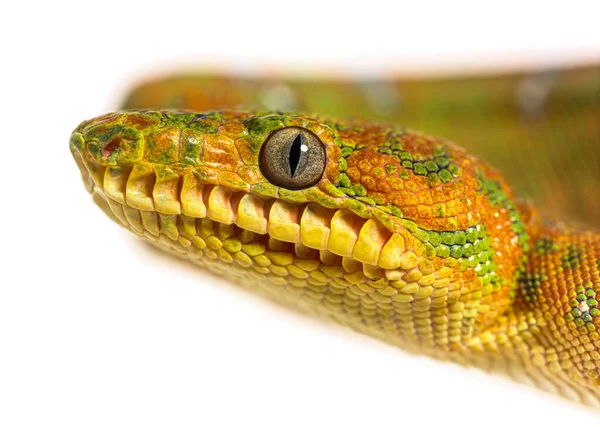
(399, 235)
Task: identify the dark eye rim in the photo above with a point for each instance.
(280, 176)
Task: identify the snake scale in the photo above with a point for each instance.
(394, 233)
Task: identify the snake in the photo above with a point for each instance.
(396, 234)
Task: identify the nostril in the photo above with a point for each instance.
(111, 146)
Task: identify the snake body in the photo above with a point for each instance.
(405, 237)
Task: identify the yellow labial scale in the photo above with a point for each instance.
(168, 225)
(192, 200)
(329, 258)
(389, 258)
(344, 232)
(117, 209)
(204, 228)
(115, 183)
(139, 187)
(277, 245)
(95, 170)
(314, 226)
(166, 191)
(150, 222)
(224, 231)
(373, 235)
(187, 226)
(219, 205)
(408, 261)
(373, 271)
(350, 265)
(133, 219)
(250, 215)
(283, 222)
(247, 236)
(302, 251)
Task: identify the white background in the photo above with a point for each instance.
(96, 329)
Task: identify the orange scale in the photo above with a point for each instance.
(221, 153)
(138, 121)
(395, 182)
(424, 211)
(453, 208)
(354, 174)
(438, 195)
(369, 183)
(438, 224)
(425, 223)
(463, 221)
(251, 174)
(234, 128)
(425, 198)
(408, 198)
(378, 160)
(365, 166)
(410, 212)
(411, 186)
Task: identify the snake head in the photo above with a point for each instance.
(390, 215)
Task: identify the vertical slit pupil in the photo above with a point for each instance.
(295, 153)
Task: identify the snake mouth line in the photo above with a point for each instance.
(179, 210)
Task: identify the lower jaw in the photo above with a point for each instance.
(321, 260)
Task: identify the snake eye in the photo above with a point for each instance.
(292, 158)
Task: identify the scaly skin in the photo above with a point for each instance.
(406, 237)
(540, 129)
